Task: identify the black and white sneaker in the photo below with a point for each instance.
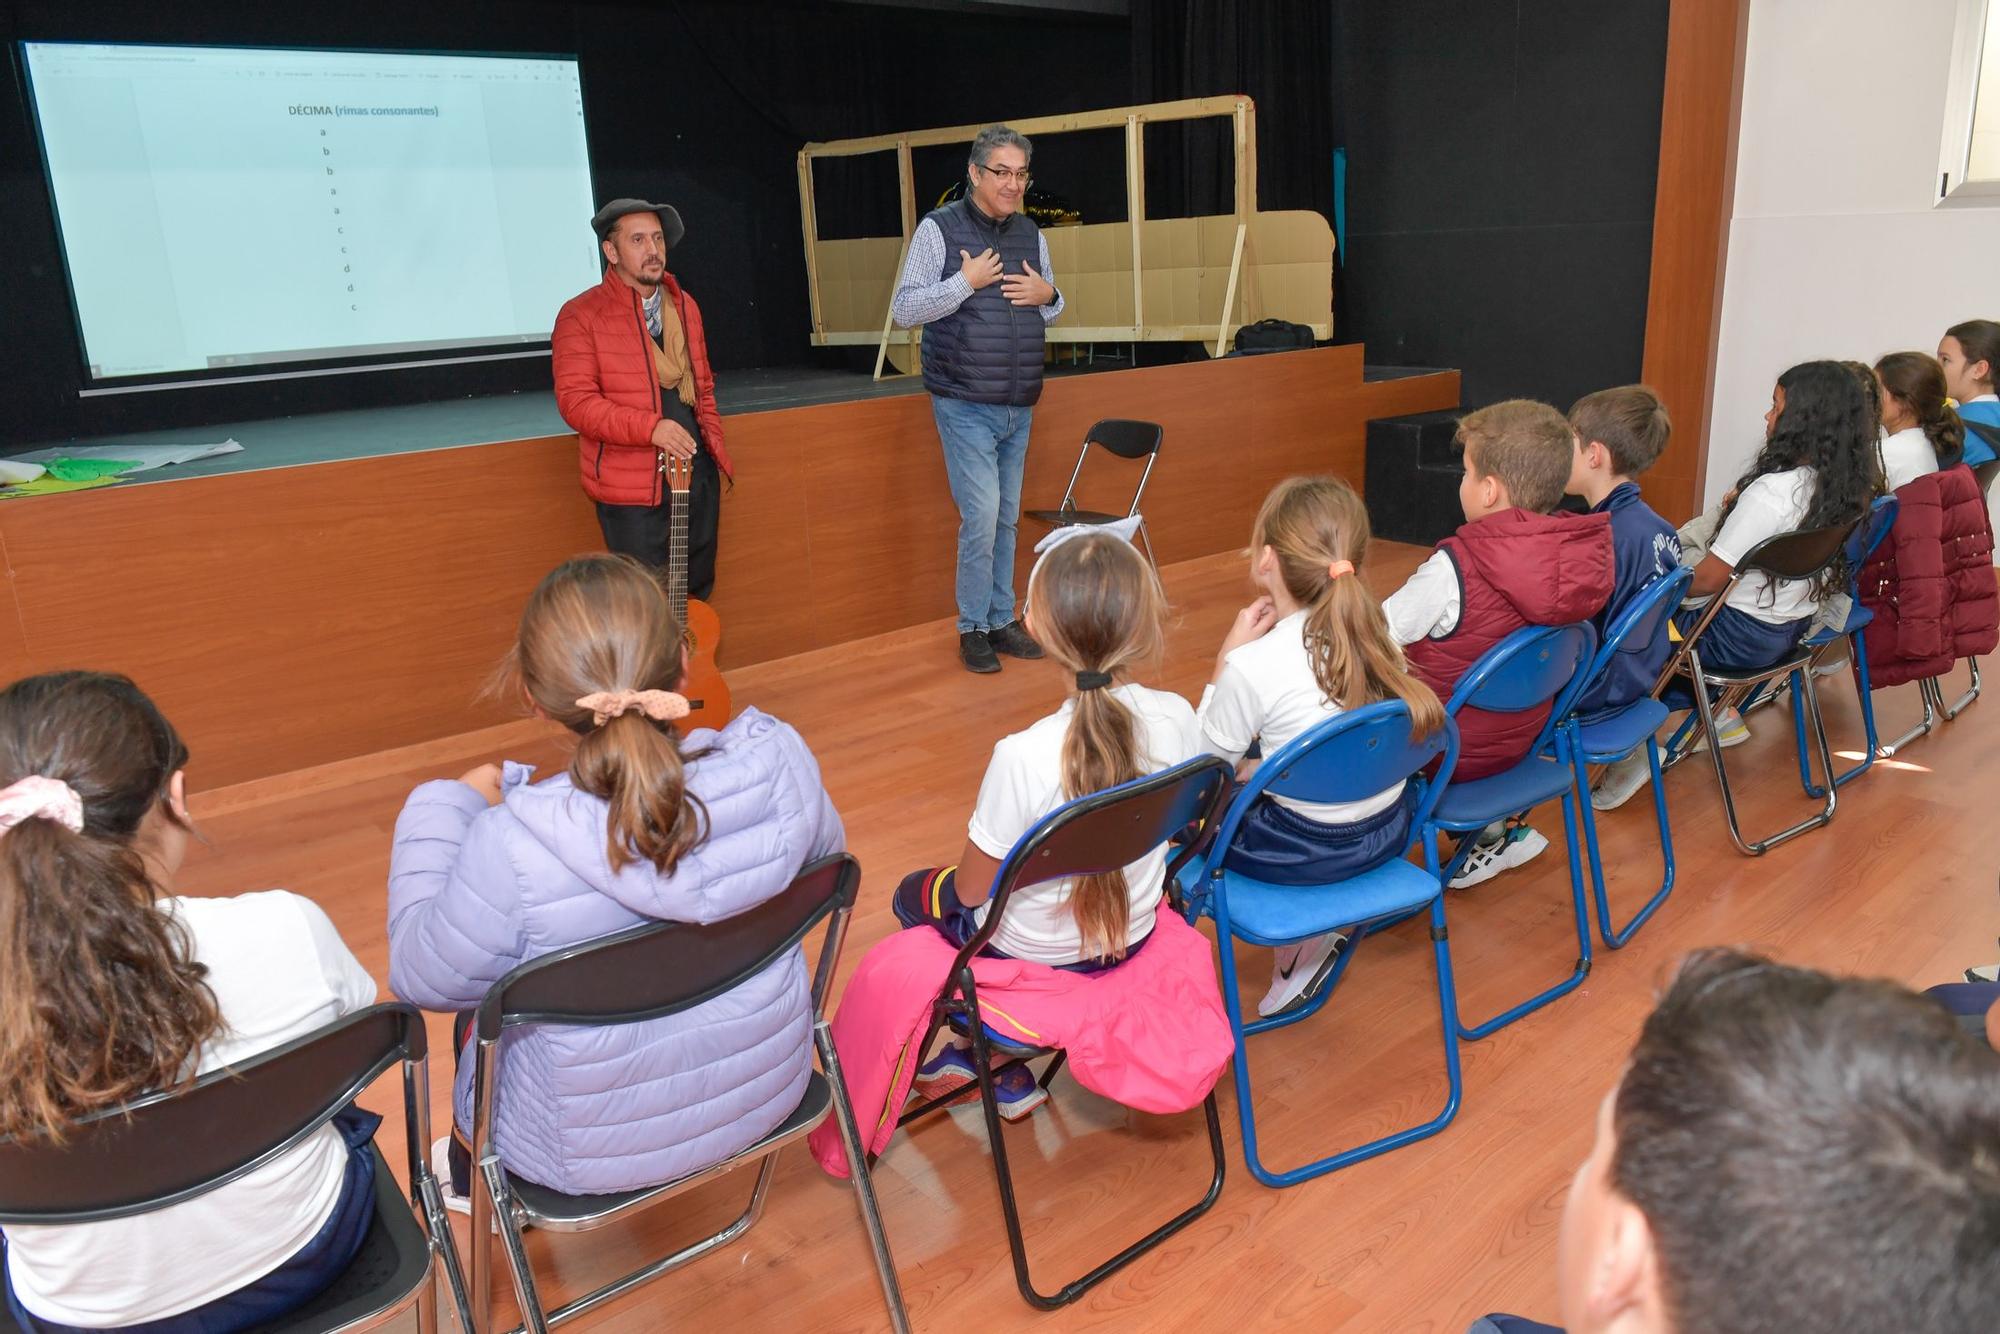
(1985, 973)
(1299, 971)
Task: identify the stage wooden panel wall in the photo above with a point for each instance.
(299, 616)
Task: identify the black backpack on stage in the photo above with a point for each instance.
(1271, 336)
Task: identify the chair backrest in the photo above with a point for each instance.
(1349, 757)
(1799, 555)
(1642, 622)
(1527, 669)
(1105, 831)
(1127, 439)
(661, 968)
(169, 1147)
(1869, 534)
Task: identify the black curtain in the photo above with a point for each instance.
(1279, 52)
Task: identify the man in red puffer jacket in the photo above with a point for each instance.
(632, 378)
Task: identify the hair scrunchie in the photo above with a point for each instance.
(36, 797)
(1337, 568)
(1092, 680)
(662, 706)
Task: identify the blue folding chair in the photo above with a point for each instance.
(1860, 546)
(1535, 665)
(1615, 734)
(1349, 757)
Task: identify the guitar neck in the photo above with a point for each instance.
(677, 556)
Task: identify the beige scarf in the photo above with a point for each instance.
(670, 353)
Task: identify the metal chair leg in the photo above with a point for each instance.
(495, 1176)
(863, 1181)
(1003, 1176)
(1927, 693)
(1964, 701)
(1804, 690)
(1615, 937)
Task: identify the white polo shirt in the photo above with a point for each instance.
(1906, 456)
(1023, 783)
(278, 970)
(1267, 692)
(1772, 504)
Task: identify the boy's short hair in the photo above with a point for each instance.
(1812, 1152)
(1629, 421)
(1527, 445)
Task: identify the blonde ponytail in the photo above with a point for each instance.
(1315, 526)
(1099, 610)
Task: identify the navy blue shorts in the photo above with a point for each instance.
(1735, 641)
(1969, 1001)
(1279, 846)
(292, 1284)
(930, 898)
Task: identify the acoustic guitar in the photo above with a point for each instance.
(707, 695)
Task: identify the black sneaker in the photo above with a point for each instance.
(1014, 640)
(976, 651)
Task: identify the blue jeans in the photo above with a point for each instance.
(985, 449)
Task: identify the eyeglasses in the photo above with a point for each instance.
(1006, 175)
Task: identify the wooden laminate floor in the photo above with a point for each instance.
(1427, 1238)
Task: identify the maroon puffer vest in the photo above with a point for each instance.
(1515, 568)
(1931, 582)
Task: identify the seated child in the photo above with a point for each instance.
(1515, 563)
(1818, 468)
(494, 869)
(1314, 645)
(1921, 434)
(1619, 433)
(115, 989)
(1970, 356)
(1096, 606)
(1788, 1151)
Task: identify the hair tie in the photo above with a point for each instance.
(662, 706)
(1338, 568)
(44, 798)
(1092, 680)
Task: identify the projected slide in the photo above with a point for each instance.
(227, 210)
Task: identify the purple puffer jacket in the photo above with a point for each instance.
(475, 890)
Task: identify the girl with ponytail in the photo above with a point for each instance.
(643, 824)
(1921, 433)
(1969, 352)
(1313, 645)
(112, 988)
(1096, 606)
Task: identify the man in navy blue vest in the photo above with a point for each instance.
(978, 280)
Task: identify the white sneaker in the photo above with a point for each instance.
(1620, 780)
(1729, 726)
(1298, 971)
(1518, 845)
(1828, 667)
(1984, 973)
(441, 1169)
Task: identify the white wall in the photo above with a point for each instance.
(1834, 248)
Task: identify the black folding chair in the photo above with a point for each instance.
(167, 1148)
(1799, 555)
(1090, 835)
(648, 972)
(1126, 439)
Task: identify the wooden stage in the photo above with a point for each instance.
(303, 615)
(1424, 1239)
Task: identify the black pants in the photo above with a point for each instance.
(641, 531)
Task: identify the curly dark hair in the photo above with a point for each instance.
(1829, 424)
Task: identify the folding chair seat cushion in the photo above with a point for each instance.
(1624, 730)
(545, 1205)
(1474, 805)
(1266, 914)
(393, 1260)
(1063, 518)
